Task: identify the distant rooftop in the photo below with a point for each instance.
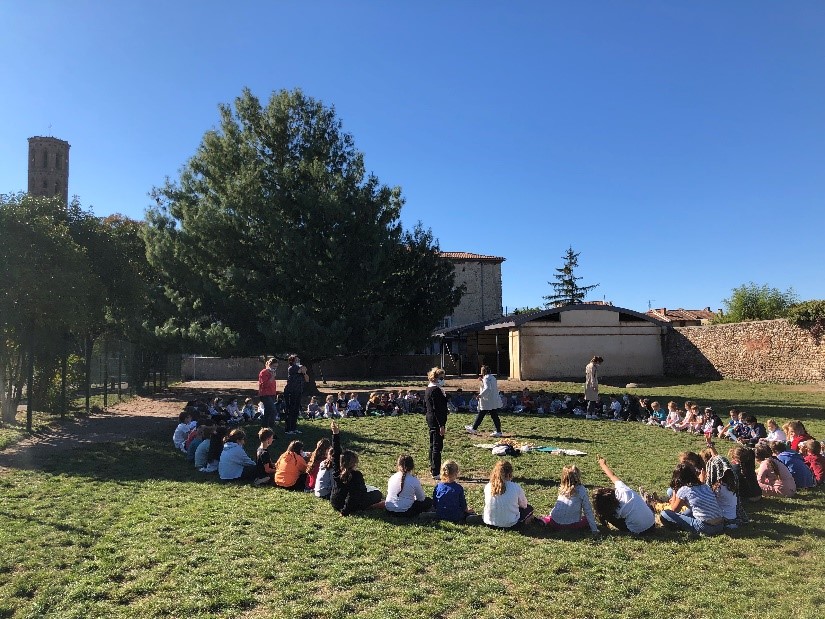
(673, 315)
(463, 255)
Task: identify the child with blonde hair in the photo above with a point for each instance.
(572, 509)
(449, 500)
(505, 504)
(330, 408)
(405, 496)
(673, 416)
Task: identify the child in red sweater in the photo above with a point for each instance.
(811, 452)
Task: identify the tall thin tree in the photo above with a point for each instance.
(566, 288)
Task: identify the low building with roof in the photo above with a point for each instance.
(682, 317)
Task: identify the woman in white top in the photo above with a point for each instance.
(505, 505)
(405, 496)
(489, 401)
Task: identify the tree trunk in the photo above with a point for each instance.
(105, 373)
(63, 369)
(87, 387)
(30, 387)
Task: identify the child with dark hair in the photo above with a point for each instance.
(290, 469)
(202, 449)
(802, 475)
(182, 430)
(405, 496)
(266, 470)
(235, 464)
(743, 463)
(621, 506)
(314, 462)
(349, 492)
(323, 480)
(703, 514)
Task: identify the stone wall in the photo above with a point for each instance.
(765, 351)
(363, 367)
(482, 295)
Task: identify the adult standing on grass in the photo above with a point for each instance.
(296, 376)
(267, 390)
(591, 387)
(435, 401)
(489, 401)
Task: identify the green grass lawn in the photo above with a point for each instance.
(131, 530)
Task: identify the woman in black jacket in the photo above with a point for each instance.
(436, 402)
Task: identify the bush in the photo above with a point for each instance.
(807, 313)
(47, 384)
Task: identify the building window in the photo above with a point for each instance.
(56, 188)
(57, 161)
(447, 322)
(45, 158)
(44, 183)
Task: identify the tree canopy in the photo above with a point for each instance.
(274, 238)
(756, 302)
(566, 288)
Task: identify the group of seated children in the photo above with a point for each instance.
(706, 493)
(378, 404)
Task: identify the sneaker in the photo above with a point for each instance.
(261, 481)
(470, 429)
(496, 434)
(296, 432)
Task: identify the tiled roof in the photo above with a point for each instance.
(671, 315)
(463, 255)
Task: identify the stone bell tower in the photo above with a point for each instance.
(49, 168)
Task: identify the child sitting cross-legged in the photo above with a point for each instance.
(405, 496)
(505, 504)
(448, 497)
(234, 463)
(703, 514)
(290, 469)
(572, 509)
(266, 470)
(811, 452)
(349, 491)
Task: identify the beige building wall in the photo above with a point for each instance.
(542, 350)
(482, 296)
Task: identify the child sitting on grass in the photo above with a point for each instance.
(405, 496)
(703, 514)
(349, 492)
(657, 415)
(572, 509)
(811, 452)
(182, 431)
(323, 480)
(353, 406)
(774, 477)
(674, 417)
(620, 506)
(314, 461)
(266, 470)
(235, 464)
(249, 411)
(330, 408)
(290, 469)
(505, 504)
(313, 408)
(449, 500)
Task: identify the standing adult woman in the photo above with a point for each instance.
(267, 390)
(489, 401)
(591, 387)
(435, 401)
(295, 379)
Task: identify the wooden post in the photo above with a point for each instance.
(63, 369)
(119, 369)
(30, 386)
(105, 373)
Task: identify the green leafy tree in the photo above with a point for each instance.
(274, 238)
(756, 302)
(566, 288)
(47, 288)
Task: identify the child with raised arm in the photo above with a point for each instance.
(349, 492)
(621, 506)
(572, 509)
(405, 496)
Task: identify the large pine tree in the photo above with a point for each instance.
(566, 288)
(276, 239)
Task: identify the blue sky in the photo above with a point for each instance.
(678, 146)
